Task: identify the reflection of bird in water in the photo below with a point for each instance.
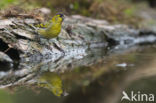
(52, 82)
(125, 96)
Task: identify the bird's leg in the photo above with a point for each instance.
(43, 41)
(48, 46)
(57, 38)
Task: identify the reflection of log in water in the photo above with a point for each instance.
(108, 87)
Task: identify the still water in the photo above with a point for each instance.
(102, 81)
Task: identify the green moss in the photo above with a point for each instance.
(4, 3)
(76, 6)
(129, 11)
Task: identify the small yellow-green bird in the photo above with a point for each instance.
(52, 28)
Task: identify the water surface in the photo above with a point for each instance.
(101, 81)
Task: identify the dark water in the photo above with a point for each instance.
(104, 81)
